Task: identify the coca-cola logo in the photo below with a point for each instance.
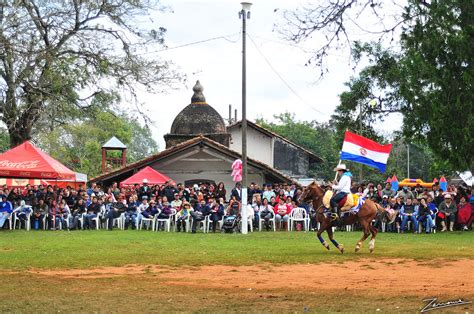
(19, 165)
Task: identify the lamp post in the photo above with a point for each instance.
(244, 14)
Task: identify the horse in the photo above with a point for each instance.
(367, 212)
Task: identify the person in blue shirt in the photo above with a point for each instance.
(5, 210)
(408, 212)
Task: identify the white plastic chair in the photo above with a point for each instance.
(298, 214)
(27, 221)
(167, 221)
(261, 221)
(187, 222)
(149, 221)
(204, 223)
(220, 223)
(119, 221)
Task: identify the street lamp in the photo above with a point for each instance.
(244, 14)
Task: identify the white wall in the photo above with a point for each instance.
(259, 145)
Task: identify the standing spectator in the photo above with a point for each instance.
(447, 212)
(144, 190)
(237, 191)
(388, 191)
(221, 192)
(405, 194)
(408, 213)
(6, 210)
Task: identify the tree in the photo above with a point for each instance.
(68, 54)
(78, 145)
(428, 78)
(318, 138)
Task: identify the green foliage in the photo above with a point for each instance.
(61, 60)
(316, 137)
(78, 145)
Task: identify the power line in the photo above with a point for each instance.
(281, 77)
(225, 37)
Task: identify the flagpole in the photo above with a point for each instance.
(335, 178)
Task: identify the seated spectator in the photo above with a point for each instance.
(78, 209)
(266, 213)
(62, 213)
(425, 216)
(116, 209)
(92, 212)
(408, 213)
(22, 212)
(165, 213)
(6, 210)
(40, 210)
(447, 212)
(282, 212)
(182, 216)
(464, 213)
(217, 212)
(199, 213)
(131, 212)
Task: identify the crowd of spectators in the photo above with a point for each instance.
(50, 207)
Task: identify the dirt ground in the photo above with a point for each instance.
(399, 284)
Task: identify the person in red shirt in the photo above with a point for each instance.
(282, 213)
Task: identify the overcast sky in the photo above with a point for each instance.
(277, 78)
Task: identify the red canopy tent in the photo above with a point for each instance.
(153, 177)
(28, 161)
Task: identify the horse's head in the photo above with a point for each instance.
(313, 192)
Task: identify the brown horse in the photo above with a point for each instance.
(364, 216)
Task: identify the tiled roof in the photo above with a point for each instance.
(195, 141)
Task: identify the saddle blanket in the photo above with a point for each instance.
(349, 203)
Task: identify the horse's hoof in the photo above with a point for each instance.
(357, 249)
(341, 248)
(326, 245)
(371, 250)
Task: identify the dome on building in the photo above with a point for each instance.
(198, 118)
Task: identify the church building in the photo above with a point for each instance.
(201, 148)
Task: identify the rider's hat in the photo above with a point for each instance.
(341, 167)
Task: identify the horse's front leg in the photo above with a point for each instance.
(322, 228)
(340, 247)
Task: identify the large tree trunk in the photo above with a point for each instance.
(19, 135)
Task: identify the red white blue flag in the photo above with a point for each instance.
(365, 151)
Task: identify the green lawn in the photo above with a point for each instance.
(83, 249)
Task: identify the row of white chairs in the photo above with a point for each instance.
(297, 215)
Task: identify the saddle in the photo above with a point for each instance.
(348, 202)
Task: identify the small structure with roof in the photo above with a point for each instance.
(113, 161)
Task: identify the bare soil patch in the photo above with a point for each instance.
(387, 277)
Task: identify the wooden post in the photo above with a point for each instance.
(104, 156)
(124, 157)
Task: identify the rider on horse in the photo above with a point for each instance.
(340, 190)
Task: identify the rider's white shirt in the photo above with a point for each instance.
(344, 185)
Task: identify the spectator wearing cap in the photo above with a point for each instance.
(408, 212)
(447, 212)
(144, 190)
(177, 202)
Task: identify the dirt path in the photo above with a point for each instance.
(389, 276)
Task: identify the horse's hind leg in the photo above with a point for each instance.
(373, 231)
(320, 231)
(340, 247)
(365, 228)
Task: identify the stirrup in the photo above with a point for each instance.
(334, 216)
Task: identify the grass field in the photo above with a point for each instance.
(39, 271)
